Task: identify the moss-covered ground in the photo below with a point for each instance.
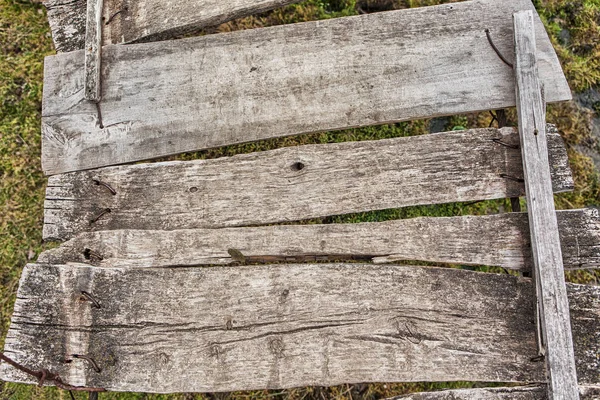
(25, 40)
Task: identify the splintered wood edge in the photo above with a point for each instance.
(496, 240)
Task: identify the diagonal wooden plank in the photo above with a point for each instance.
(144, 20)
(278, 326)
(499, 240)
(295, 183)
(170, 97)
(506, 393)
(553, 304)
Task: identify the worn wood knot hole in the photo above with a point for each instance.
(91, 255)
(297, 166)
(277, 347)
(193, 189)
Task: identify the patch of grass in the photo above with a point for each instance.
(25, 40)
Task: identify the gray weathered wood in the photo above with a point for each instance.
(499, 240)
(553, 304)
(147, 20)
(93, 50)
(505, 393)
(279, 326)
(170, 97)
(295, 183)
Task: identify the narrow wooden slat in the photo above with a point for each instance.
(553, 304)
(499, 240)
(279, 326)
(506, 393)
(93, 50)
(170, 97)
(295, 183)
(147, 20)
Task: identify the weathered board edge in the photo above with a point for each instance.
(496, 240)
(104, 284)
(68, 32)
(67, 120)
(300, 182)
(553, 303)
(505, 393)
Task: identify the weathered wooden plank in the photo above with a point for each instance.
(295, 183)
(279, 326)
(170, 97)
(553, 304)
(147, 20)
(93, 50)
(505, 393)
(499, 240)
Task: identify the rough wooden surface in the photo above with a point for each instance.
(506, 393)
(553, 304)
(499, 240)
(93, 50)
(170, 97)
(295, 183)
(144, 20)
(67, 21)
(279, 326)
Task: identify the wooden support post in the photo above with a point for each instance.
(553, 304)
(93, 49)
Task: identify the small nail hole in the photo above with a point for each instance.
(87, 254)
(193, 189)
(297, 166)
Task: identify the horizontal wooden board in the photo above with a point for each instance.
(170, 97)
(505, 393)
(146, 20)
(281, 326)
(498, 240)
(295, 183)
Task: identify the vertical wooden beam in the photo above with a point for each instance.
(553, 304)
(93, 48)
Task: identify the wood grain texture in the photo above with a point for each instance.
(280, 326)
(506, 393)
(553, 304)
(93, 51)
(170, 97)
(295, 183)
(144, 20)
(498, 240)
(67, 20)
